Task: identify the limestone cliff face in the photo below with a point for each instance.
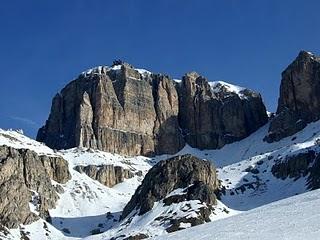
(115, 110)
(25, 178)
(299, 101)
(108, 175)
(134, 112)
(213, 115)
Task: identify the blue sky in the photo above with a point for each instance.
(45, 44)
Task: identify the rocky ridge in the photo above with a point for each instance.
(299, 101)
(214, 114)
(135, 112)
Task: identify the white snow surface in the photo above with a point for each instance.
(86, 206)
(294, 218)
(16, 139)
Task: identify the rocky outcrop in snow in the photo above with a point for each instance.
(299, 101)
(108, 175)
(26, 190)
(134, 112)
(304, 164)
(175, 180)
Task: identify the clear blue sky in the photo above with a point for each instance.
(45, 44)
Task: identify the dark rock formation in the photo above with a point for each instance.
(132, 112)
(26, 177)
(305, 164)
(212, 116)
(108, 175)
(299, 101)
(293, 166)
(313, 180)
(171, 174)
(139, 236)
(197, 191)
(115, 110)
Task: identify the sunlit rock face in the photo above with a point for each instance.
(213, 114)
(118, 110)
(299, 101)
(26, 180)
(131, 111)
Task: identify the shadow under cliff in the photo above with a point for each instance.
(85, 226)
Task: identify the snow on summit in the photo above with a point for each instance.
(221, 86)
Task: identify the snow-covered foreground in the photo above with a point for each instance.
(87, 207)
(294, 218)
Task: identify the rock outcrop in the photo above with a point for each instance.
(294, 166)
(305, 164)
(197, 177)
(134, 112)
(299, 101)
(118, 110)
(108, 175)
(212, 115)
(25, 183)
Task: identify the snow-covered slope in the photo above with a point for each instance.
(87, 207)
(294, 218)
(244, 168)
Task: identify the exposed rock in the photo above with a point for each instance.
(313, 181)
(171, 174)
(137, 237)
(212, 115)
(305, 164)
(23, 171)
(131, 112)
(299, 101)
(108, 175)
(116, 110)
(197, 191)
(201, 218)
(293, 166)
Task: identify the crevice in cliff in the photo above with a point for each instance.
(155, 88)
(293, 92)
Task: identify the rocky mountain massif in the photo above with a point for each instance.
(87, 193)
(299, 101)
(135, 112)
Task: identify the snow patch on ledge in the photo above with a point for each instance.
(219, 86)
